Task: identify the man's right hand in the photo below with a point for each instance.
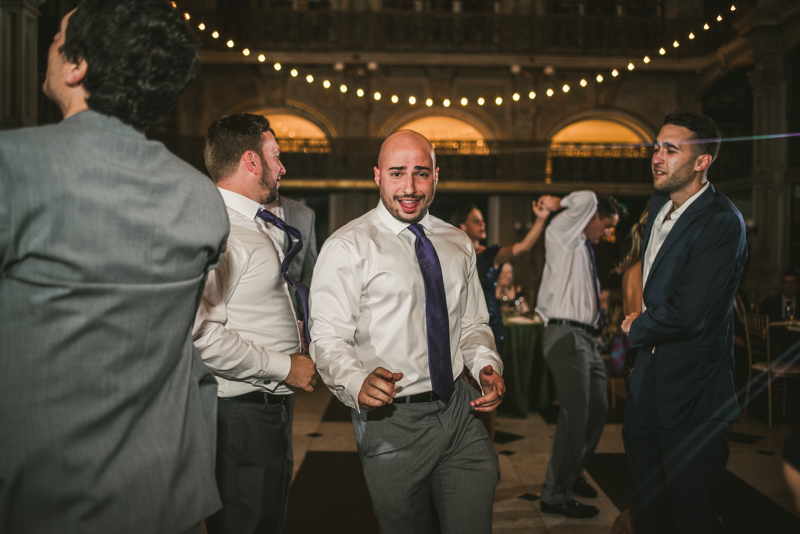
(378, 389)
(549, 202)
(303, 372)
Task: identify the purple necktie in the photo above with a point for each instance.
(436, 317)
(297, 245)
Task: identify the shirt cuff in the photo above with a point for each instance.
(280, 364)
(480, 363)
(352, 387)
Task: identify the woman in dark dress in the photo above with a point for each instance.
(490, 259)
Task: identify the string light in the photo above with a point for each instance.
(615, 73)
(719, 18)
(662, 51)
(230, 44)
(733, 8)
(326, 84)
(630, 66)
(691, 36)
(376, 96)
(429, 102)
(201, 26)
(599, 78)
(531, 95)
(706, 26)
(583, 83)
(186, 16)
(343, 88)
(412, 100)
(565, 88)
(464, 101)
(246, 52)
(498, 100)
(481, 101)
(262, 58)
(646, 59)
(515, 97)
(294, 73)
(360, 93)
(676, 44)
(276, 66)
(309, 78)
(395, 99)
(550, 92)
(446, 103)
(174, 5)
(215, 35)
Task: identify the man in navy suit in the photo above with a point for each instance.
(682, 399)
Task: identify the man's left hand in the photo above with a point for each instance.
(494, 386)
(626, 324)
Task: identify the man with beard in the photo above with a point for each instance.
(397, 313)
(106, 410)
(682, 399)
(247, 333)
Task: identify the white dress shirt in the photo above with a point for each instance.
(368, 305)
(660, 230)
(277, 234)
(568, 287)
(245, 328)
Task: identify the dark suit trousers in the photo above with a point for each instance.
(253, 474)
(677, 473)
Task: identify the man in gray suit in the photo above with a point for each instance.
(106, 239)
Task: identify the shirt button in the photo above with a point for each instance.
(267, 381)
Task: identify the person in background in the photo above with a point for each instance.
(782, 306)
(106, 238)
(491, 260)
(569, 302)
(247, 332)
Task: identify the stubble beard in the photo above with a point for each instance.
(402, 216)
(682, 176)
(269, 186)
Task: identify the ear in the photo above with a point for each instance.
(436, 176)
(251, 162)
(76, 72)
(377, 172)
(702, 162)
(463, 227)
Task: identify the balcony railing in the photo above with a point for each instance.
(480, 33)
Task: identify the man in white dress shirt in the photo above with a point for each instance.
(569, 301)
(247, 333)
(373, 344)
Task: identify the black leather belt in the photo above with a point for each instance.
(576, 324)
(428, 396)
(258, 397)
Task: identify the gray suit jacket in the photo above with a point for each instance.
(301, 217)
(107, 413)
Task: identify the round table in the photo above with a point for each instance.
(525, 371)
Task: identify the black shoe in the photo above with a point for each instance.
(571, 508)
(582, 488)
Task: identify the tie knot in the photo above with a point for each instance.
(417, 230)
(267, 216)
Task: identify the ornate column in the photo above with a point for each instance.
(19, 85)
(770, 244)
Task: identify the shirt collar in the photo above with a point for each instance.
(398, 226)
(240, 203)
(679, 211)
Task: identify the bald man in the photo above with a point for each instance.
(397, 316)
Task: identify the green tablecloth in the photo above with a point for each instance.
(525, 370)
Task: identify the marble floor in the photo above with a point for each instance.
(523, 458)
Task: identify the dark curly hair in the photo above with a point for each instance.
(703, 128)
(140, 57)
(230, 137)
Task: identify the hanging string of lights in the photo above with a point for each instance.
(464, 101)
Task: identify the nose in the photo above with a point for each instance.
(283, 169)
(658, 156)
(408, 187)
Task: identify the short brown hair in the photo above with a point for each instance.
(230, 137)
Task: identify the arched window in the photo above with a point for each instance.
(296, 134)
(448, 134)
(597, 132)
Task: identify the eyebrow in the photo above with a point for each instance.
(665, 143)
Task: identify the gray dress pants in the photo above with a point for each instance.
(432, 453)
(580, 377)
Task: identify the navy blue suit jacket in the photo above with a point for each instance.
(689, 317)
